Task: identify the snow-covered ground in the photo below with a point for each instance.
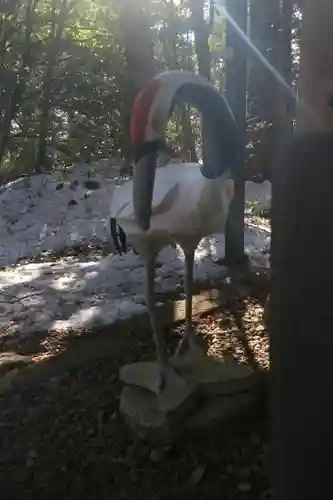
(53, 212)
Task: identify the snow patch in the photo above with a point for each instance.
(64, 295)
(55, 211)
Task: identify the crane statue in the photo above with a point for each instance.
(179, 203)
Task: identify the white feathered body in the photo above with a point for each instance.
(186, 207)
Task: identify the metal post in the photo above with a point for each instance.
(236, 77)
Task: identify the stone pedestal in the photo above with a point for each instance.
(203, 391)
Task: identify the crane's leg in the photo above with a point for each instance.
(189, 339)
(122, 239)
(114, 235)
(161, 348)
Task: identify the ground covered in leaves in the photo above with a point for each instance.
(65, 439)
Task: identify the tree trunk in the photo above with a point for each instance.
(202, 31)
(188, 150)
(58, 24)
(302, 277)
(201, 34)
(14, 96)
(236, 79)
(8, 114)
(264, 89)
(7, 24)
(137, 41)
(286, 103)
(264, 32)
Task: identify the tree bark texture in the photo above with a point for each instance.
(302, 277)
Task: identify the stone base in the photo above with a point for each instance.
(144, 374)
(193, 372)
(202, 391)
(140, 409)
(214, 376)
(142, 413)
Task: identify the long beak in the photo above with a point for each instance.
(143, 187)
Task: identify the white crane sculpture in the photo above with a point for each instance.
(179, 203)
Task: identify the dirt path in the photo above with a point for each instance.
(53, 352)
(62, 436)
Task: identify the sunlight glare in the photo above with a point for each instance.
(267, 64)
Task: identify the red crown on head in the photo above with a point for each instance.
(141, 109)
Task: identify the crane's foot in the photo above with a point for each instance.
(173, 389)
(168, 375)
(165, 372)
(190, 342)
